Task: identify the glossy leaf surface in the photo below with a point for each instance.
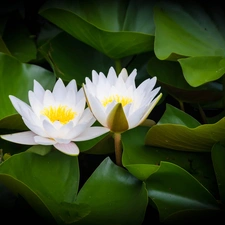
(189, 29)
(43, 188)
(181, 137)
(115, 28)
(175, 191)
(114, 196)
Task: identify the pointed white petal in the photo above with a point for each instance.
(130, 81)
(123, 74)
(97, 109)
(18, 104)
(69, 149)
(94, 77)
(38, 90)
(51, 131)
(44, 141)
(72, 85)
(87, 117)
(91, 132)
(35, 103)
(76, 131)
(59, 90)
(112, 77)
(48, 99)
(26, 138)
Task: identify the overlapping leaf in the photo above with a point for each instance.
(181, 137)
(170, 76)
(114, 196)
(115, 28)
(43, 188)
(185, 29)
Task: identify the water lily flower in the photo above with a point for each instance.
(116, 102)
(57, 118)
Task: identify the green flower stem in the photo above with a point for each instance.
(118, 66)
(118, 148)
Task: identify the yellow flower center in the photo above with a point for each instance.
(120, 99)
(61, 113)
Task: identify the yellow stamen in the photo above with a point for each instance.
(120, 99)
(60, 113)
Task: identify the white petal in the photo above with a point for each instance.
(123, 74)
(69, 149)
(112, 77)
(94, 77)
(44, 141)
(38, 91)
(72, 85)
(50, 130)
(59, 90)
(35, 103)
(18, 105)
(48, 99)
(76, 131)
(26, 138)
(37, 129)
(91, 132)
(135, 118)
(97, 109)
(87, 117)
(130, 81)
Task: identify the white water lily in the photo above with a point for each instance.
(55, 118)
(116, 102)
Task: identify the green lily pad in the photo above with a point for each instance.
(171, 77)
(126, 27)
(174, 191)
(188, 29)
(142, 160)
(201, 70)
(114, 196)
(29, 175)
(182, 137)
(185, 29)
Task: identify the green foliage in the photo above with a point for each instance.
(175, 166)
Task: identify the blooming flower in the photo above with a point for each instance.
(116, 102)
(55, 118)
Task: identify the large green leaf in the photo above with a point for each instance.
(114, 196)
(218, 159)
(185, 29)
(188, 29)
(115, 28)
(48, 183)
(174, 191)
(72, 59)
(182, 137)
(142, 160)
(170, 76)
(17, 79)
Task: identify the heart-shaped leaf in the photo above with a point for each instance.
(114, 196)
(174, 190)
